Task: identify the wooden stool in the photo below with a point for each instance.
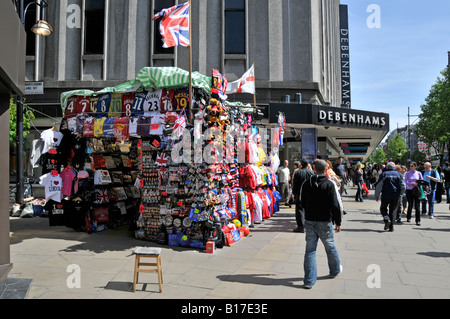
(144, 252)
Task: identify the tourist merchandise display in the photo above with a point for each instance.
(139, 155)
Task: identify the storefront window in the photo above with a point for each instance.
(235, 26)
(94, 27)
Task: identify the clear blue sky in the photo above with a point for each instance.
(395, 66)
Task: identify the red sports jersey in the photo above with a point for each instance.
(70, 107)
(167, 102)
(127, 103)
(83, 105)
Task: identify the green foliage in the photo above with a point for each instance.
(396, 148)
(433, 127)
(28, 116)
(378, 156)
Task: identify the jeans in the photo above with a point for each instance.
(430, 201)
(324, 231)
(299, 215)
(359, 191)
(393, 207)
(412, 201)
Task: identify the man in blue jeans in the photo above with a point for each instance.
(319, 199)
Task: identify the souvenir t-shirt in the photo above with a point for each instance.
(152, 102)
(49, 162)
(143, 128)
(133, 126)
(68, 176)
(69, 107)
(127, 104)
(108, 127)
(115, 109)
(138, 103)
(52, 185)
(88, 127)
(181, 99)
(72, 124)
(55, 210)
(157, 123)
(102, 106)
(83, 105)
(167, 100)
(51, 139)
(102, 177)
(121, 129)
(98, 126)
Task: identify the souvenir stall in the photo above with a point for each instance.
(136, 154)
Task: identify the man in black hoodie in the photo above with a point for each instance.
(319, 199)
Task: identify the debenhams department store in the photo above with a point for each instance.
(329, 132)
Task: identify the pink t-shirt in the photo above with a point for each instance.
(67, 176)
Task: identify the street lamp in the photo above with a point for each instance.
(42, 28)
(409, 132)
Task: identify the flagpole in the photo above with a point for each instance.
(191, 105)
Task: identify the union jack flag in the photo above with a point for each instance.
(174, 26)
(162, 159)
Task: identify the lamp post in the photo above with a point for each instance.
(42, 28)
(409, 132)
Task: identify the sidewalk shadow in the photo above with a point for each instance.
(266, 280)
(435, 254)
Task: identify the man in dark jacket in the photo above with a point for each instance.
(300, 176)
(318, 197)
(391, 186)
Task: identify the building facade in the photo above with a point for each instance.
(295, 45)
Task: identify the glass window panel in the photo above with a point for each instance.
(235, 32)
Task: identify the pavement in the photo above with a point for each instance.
(413, 262)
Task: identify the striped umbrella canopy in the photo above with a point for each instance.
(150, 78)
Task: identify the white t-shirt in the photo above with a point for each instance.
(51, 139)
(283, 175)
(152, 102)
(156, 123)
(53, 186)
(133, 126)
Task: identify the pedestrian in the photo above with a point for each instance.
(337, 183)
(375, 174)
(404, 200)
(411, 178)
(446, 171)
(319, 199)
(300, 176)
(340, 171)
(389, 188)
(291, 192)
(283, 181)
(367, 174)
(431, 176)
(358, 181)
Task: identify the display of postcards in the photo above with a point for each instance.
(99, 161)
(135, 192)
(117, 177)
(128, 162)
(122, 208)
(124, 147)
(109, 161)
(121, 194)
(127, 179)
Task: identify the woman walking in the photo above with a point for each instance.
(411, 178)
(358, 181)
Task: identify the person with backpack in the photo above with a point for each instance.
(431, 176)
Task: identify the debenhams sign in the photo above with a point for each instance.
(347, 117)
